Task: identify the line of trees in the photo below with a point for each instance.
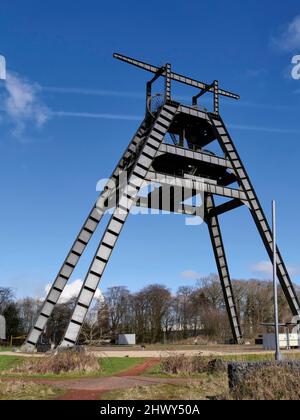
(154, 314)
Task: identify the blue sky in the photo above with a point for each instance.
(69, 109)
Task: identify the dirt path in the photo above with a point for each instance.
(139, 369)
(93, 388)
(130, 378)
(80, 395)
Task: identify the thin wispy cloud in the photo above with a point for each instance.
(256, 73)
(259, 105)
(265, 268)
(141, 95)
(2, 68)
(22, 105)
(191, 274)
(288, 38)
(64, 90)
(92, 92)
(128, 117)
(273, 130)
(96, 115)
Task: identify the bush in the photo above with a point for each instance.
(181, 364)
(269, 383)
(61, 362)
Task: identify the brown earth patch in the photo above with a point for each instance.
(139, 369)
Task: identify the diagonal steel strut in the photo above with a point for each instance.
(219, 252)
(80, 244)
(258, 215)
(116, 223)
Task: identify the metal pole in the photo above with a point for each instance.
(287, 338)
(277, 354)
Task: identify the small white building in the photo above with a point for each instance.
(126, 339)
(286, 341)
(2, 328)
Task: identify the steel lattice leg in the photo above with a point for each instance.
(80, 243)
(261, 222)
(115, 225)
(219, 252)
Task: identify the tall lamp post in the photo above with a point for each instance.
(2, 319)
(278, 355)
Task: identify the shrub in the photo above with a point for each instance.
(25, 390)
(181, 364)
(269, 383)
(61, 362)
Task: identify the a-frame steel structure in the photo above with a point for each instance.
(184, 164)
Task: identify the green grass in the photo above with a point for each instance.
(3, 348)
(110, 366)
(114, 365)
(8, 362)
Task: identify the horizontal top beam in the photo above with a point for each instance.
(174, 76)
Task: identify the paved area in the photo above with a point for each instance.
(163, 351)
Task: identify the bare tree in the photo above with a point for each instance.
(90, 330)
(13, 323)
(185, 309)
(117, 300)
(140, 322)
(28, 310)
(103, 319)
(211, 287)
(58, 321)
(157, 300)
(6, 297)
